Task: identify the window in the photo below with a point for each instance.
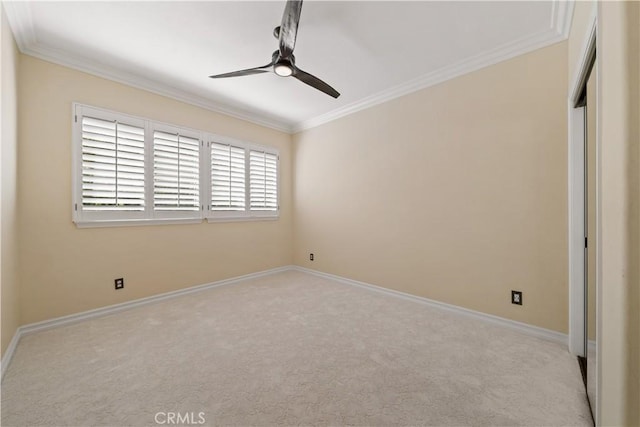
(244, 180)
(176, 172)
(128, 171)
(227, 178)
(112, 165)
(263, 181)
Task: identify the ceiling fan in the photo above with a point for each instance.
(283, 62)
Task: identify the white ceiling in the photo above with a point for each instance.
(368, 51)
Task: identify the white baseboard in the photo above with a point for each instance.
(105, 311)
(111, 309)
(512, 324)
(8, 355)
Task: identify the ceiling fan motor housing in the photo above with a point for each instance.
(283, 66)
(283, 63)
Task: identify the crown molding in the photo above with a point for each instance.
(562, 16)
(149, 85)
(485, 59)
(21, 23)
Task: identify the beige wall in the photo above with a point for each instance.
(457, 192)
(618, 56)
(67, 270)
(633, 246)
(9, 197)
(636, 253)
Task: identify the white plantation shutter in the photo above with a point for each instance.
(263, 181)
(129, 170)
(176, 172)
(227, 178)
(112, 166)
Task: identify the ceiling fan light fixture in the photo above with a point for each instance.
(283, 62)
(283, 69)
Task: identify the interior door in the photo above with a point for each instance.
(590, 233)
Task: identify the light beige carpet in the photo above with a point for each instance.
(291, 349)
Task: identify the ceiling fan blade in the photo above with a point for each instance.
(247, 72)
(289, 27)
(315, 82)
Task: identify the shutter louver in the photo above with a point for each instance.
(112, 166)
(263, 181)
(129, 170)
(227, 178)
(175, 172)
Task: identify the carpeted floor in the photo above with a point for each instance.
(290, 349)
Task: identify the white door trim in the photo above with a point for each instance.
(576, 229)
(576, 196)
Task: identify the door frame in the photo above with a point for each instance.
(576, 185)
(576, 198)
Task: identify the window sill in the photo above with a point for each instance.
(135, 222)
(243, 218)
(168, 221)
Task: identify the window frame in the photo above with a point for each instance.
(248, 214)
(149, 216)
(264, 212)
(229, 215)
(175, 214)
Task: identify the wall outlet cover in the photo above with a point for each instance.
(119, 283)
(516, 297)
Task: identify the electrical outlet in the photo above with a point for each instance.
(516, 297)
(310, 257)
(119, 283)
